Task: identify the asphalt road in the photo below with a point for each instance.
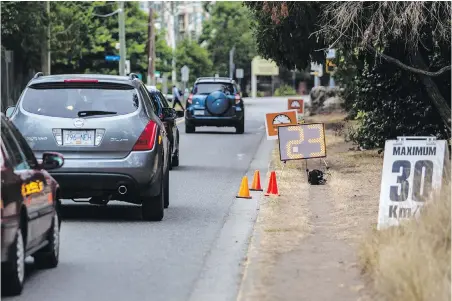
(108, 253)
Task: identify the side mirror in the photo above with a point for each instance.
(9, 111)
(180, 114)
(168, 114)
(52, 160)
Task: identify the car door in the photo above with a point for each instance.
(33, 185)
(171, 123)
(42, 198)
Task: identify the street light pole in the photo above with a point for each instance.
(122, 39)
(231, 62)
(173, 42)
(151, 46)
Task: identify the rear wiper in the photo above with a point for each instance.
(93, 113)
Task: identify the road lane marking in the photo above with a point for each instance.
(180, 120)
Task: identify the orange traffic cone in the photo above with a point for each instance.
(272, 185)
(256, 182)
(244, 192)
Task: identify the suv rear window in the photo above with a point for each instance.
(66, 100)
(207, 88)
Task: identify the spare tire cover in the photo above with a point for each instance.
(217, 103)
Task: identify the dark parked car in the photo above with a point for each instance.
(114, 144)
(168, 116)
(215, 101)
(29, 208)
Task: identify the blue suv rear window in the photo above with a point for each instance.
(207, 88)
(66, 100)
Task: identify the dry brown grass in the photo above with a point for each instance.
(288, 212)
(411, 262)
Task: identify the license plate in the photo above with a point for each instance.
(78, 137)
(199, 112)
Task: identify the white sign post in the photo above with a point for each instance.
(412, 174)
(317, 71)
(239, 73)
(127, 66)
(184, 72)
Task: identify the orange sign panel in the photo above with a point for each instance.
(296, 104)
(273, 120)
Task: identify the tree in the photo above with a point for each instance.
(163, 53)
(422, 29)
(229, 26)
(188, 52)
(22, 29)
(283, 32)
(408, 40)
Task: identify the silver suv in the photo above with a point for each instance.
(114, 145)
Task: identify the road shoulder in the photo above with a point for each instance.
(303, 245)
(222, 270)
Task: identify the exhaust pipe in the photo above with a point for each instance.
(122, 189)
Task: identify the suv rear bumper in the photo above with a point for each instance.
(82, 178)
(214, 120)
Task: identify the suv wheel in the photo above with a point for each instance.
(48, 257)
(240, 127)
(13, 271)
(189, 128)
(152, 209)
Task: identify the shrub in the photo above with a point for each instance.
(285, 90)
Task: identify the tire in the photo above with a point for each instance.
(153, 208)
(240, 127)
(175, 160)
(48, 257)
(166, 193)
(170, 163)
(13, 271)
(189, 129)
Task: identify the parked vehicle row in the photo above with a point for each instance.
(100, 137)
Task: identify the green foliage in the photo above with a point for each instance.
(163, 54)
(228, 26)
(285, 90)
(23, 29)
(188, 52)
(288, 41)
(389, 102)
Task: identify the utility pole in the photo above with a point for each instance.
(49, 62)
(122, 39)
(45, 46)
(151, 46)
(173, 42)
(231, 62)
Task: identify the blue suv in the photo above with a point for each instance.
(215, 101)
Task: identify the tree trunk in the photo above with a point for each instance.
(433, 92)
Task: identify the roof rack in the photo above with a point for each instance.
(133, 76)
(38, 75)
(214, 78)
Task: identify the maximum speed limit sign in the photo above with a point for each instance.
(412, 173)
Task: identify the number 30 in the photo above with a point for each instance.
(404, 185)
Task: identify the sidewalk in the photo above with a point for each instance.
(303, 246)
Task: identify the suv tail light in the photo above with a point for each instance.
(237, 98)
(190, 98)
(146, 141)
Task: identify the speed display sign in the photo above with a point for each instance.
(412, 172)
(302, 141)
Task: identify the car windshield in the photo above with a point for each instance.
(67, 102)
(207, 88)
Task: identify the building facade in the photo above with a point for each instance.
(179, 19)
